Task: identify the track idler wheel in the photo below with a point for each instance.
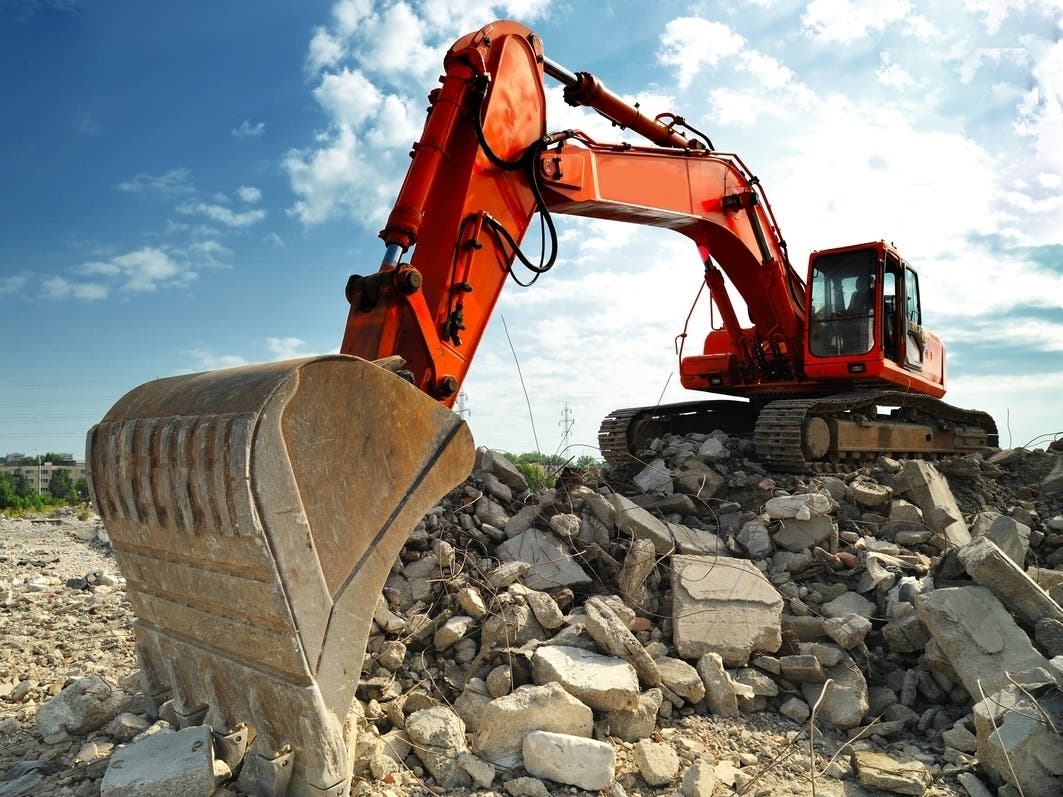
(815, 438)
(255, 513)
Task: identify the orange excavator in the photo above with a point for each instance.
(257, 511)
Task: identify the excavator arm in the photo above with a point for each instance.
(256, 511)
(483, 168)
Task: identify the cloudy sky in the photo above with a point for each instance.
(188, 185)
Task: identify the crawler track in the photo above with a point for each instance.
(799, 435)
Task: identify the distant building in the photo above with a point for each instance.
(37, 474)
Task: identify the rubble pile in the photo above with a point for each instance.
(691, 624)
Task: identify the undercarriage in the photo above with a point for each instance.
(800, 435)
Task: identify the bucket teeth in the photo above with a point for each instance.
(255, 513)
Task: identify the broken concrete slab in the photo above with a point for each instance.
(1001, 573)
(505, 471)
(84, 705)
(723, 605)
(1011, 536)
(930, 491)
(681, 678)
(849, 603)
(549, 564)
(163, 765)
(573, 760)
(699, 780)
(658, 763)
(604, 625)
(978, 637)
(438, 737)
(1052, 484)
(1016, 742)
(869, 494)
(697, 542)
(802, 506)
(879, 771)
(656, 477)
(795, 535)
(845, 699)
(695, 478)
(631, 726)
(605, 683)
(623, 513)
(505, 721)
(719, 689)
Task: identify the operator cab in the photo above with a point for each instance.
(865, 317)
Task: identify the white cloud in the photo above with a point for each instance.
(13, 283)
(688, 43)
(847, 20)
(287, 348)
(274, 240)
(224, 215)
(249, 194)
(325, 50)
(248, 129)
(892, 74)
(145, 269)
(209, 252)
(349, 15)
(348, 97)
(171, 184)
(60, 288)
(207, 360)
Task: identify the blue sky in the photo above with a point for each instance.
(188, 186)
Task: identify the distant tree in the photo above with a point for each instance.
(56, 456)
(61, 486)
(81, 487)
(8, 496)
(23, 488)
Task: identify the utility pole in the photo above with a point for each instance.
(462, 408)
(567, 422)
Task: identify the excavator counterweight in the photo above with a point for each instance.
(256, 513)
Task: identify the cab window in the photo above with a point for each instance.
(843, 306)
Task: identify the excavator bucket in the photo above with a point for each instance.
(255, 513)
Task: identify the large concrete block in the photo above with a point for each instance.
(163, 765)
(551, 565)
(1010, 535)
(505, 721)
(1015, 741)
(604, 683)
(930, 491)
(726, 606)
(997, 571)
(978, 637)
(573, 760)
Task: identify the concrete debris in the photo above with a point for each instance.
(1010, 535)
(899, 777)
(723, 605)
(978, 636)
(929, 490)
(604, 683)
(438, 737)
(574, 760)
(83, 706)
(505, 721)
(674, 625)
(162, 766)
(1019, 738)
